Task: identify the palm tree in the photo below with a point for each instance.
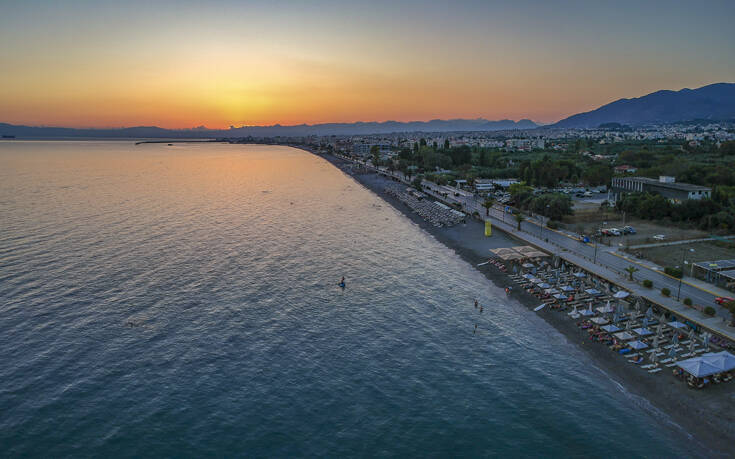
(519, 218)
(731, 307)
(630, 270)
(488, 204)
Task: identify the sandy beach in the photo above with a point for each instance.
(706, 416)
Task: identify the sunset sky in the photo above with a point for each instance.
(184, 64)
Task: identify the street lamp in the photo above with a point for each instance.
(683, 262)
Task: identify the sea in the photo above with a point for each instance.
(183, 301)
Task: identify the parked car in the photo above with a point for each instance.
(628, 230)
(659, 237)
(614, 232)
(723, 299)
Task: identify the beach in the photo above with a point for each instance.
(705, 416)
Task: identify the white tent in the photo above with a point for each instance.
(722, 360)
(621, 294)
(698, 367)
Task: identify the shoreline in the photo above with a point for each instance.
(702, 415)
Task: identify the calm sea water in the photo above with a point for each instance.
(182, 301)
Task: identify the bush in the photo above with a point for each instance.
(688, 301)
(674, 272)
(710, 311)
(665, 291)
(552, 224)
(648, 283)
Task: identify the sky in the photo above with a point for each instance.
(184, 64)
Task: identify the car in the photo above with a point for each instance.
(659, 237)
(723, 299)
(628, 230)
(614, 232)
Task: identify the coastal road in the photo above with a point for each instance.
(598, 254)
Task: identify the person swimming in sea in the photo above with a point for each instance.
(342, 282)
(475, 303)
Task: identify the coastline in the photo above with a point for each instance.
(702, 415)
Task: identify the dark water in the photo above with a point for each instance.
(182, 301)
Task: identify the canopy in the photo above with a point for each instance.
(527, 265)
(560, 296)
(550, 291)
(698, 367)
(599, 320)
(637, 345)
(587, 313)
(529, 276)
(567, 288)
(621, 294)
(579, 274)
(544, 285)
(610, 328)
(642, 331)
(722, 360)
(593, 291)
(676, 324)
(537, 281)
(605, 309)
(624, 336)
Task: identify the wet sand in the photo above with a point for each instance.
(705, 416)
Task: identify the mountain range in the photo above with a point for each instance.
(714, 102)
(359, 128)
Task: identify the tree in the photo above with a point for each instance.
(488, 204)
(630, 270)
(519, 218)
(730, 306)
(417, 183)
(375, 152)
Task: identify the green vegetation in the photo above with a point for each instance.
(730, 306)
(631, 270)
(710, 311)
(648, 283)
(519, 218)
(375, 153)
(417, 183)
(687, 301)
(552, 205)
(673, 272)
(665, 292)
(553, 224)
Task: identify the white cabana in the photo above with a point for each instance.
(593, 291)
(676, 324)
(579, 274)
(599, 320)
(624, 336)
(560, 296)
(637, 345)
(529, 276)
(621, 294)
(610, 328)
(642, 331)
(605, 309)
(567, 288)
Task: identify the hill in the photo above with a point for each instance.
(712, 102)
(271, 131)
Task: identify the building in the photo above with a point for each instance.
(485, 185)
(363, 149)
(625, 169)
(665, 186)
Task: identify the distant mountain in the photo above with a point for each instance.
(360, 128)
(713, 102)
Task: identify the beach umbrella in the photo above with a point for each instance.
(662, 318)
(589, 309)
(645, 322)
(621, 294)
(691, 334)
(706, 341)
(655, 342)
(672, 352)
(659, 330)
(649, 313)
(675, 339)
(629, 325)
(654, 356)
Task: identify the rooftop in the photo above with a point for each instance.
(671, 185)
